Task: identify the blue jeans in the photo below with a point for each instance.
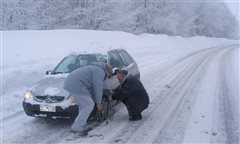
(85, 104)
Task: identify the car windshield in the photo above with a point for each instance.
(72, 62)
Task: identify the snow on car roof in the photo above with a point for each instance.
(93, 51)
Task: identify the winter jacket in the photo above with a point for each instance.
(132, 90)
(87, 80)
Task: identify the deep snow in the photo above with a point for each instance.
(163, 61)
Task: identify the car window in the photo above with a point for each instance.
(115, 60)
(87, 59)
(126, 58)
(84, 60)
(66, 64)
(73, 62)
(101, 58)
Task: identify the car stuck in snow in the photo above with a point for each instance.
(47, 98)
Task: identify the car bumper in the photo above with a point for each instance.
(34, 110)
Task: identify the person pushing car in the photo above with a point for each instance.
(85, 84)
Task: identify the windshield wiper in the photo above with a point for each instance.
(56, 72)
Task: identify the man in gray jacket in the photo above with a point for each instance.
(85, 84)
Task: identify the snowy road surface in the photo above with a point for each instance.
(194, 99)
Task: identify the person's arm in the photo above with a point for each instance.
(97, 83)
(118, 95)
(129, 87)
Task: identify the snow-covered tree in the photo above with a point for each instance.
(186, 18)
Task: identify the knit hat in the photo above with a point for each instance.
(122, 72)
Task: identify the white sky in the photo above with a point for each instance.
(234, 7)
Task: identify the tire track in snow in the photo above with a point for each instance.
(122, 126)
(230, 114)
(40, 131)
(13, 116)
(141, 141)
(54, 132)
(121, 130)
(174, 130)
(61, 133)
(169, 107)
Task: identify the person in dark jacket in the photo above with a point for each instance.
(85, 84)
(132, 93)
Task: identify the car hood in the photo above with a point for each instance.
(51, 85)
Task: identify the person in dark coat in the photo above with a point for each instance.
(132, 93)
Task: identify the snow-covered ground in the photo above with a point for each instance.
(193, 84)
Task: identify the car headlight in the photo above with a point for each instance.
(28, 95)
(71, 99)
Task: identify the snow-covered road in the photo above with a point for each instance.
(194, 99)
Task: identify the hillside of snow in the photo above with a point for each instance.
(183, 76)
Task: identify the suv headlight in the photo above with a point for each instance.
(71, 99)
(28, 95)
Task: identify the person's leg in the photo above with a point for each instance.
(125, 102)
(136, 114)
(86, 105)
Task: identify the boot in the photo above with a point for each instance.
(136, 117)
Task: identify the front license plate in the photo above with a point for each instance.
(46, 108)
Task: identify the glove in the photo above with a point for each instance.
(107, 92)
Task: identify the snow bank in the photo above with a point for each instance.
(37, 46)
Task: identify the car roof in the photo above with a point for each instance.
(116, 50)
(99, 52)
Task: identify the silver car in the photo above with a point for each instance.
(47, 98)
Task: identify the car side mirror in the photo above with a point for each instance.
(115, 70)
(48, 72)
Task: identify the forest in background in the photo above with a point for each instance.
(184, 18)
